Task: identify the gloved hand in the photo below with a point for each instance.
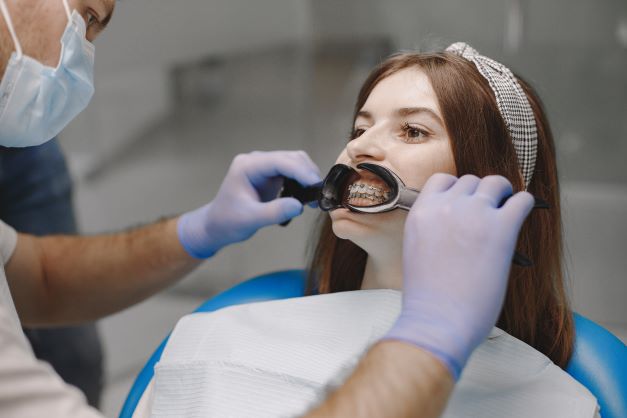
(457, 251)
(246, 201)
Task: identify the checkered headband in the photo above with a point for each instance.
(512, 103)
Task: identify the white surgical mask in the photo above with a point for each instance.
(38, 101)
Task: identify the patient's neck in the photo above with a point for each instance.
(383, 271)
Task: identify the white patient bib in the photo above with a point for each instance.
(274, 359)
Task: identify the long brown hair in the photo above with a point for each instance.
(536, 308)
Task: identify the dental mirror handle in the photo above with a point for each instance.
(406, 198)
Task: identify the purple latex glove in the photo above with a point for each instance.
(457, 252)
(246, 201)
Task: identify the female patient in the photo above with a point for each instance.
(416, 114)
(419, 114)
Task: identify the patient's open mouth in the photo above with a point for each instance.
(367, 193)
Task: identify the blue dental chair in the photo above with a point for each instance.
(599, 361)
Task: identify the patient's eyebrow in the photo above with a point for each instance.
(364, 114)
(408, 111)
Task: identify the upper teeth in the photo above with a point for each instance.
(367, 191)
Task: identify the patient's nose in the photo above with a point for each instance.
(366, 147)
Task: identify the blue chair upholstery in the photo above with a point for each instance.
(599, 361)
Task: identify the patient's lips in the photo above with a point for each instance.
(368, 190)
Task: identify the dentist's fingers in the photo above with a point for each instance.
(494, 189)
(277, 211)
(261, 166)
(517, 208)
(466, 185)
(309, 162)
(438, 182)
(270, 189)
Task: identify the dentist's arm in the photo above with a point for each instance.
(67, 279)
(394, 379)
(457, 251)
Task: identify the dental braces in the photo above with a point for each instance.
(366, 191)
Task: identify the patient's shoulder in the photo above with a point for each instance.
(356, 318)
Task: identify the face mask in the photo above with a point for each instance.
(37, 101)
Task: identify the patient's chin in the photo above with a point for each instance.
(348, 229)
(363, 228)
(342, 229)
(371, 241)
(361, 234)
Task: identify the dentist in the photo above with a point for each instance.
(46, 67)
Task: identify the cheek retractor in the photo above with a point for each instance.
(397, 195)
(344, 185)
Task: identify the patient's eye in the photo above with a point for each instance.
(413, 133)
(356, 133)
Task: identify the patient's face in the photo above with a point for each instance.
(400, 127)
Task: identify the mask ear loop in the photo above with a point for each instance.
(9, 22)
(68, 12)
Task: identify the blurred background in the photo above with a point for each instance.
(182, 87)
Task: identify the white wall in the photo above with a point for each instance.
(146, 33)
(145, 39)
(595, 229)
(483, 22)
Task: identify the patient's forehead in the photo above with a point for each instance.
(406, 88)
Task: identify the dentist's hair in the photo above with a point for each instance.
(536, 308)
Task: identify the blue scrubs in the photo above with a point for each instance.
(36, 198)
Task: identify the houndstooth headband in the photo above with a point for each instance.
(512, 103)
